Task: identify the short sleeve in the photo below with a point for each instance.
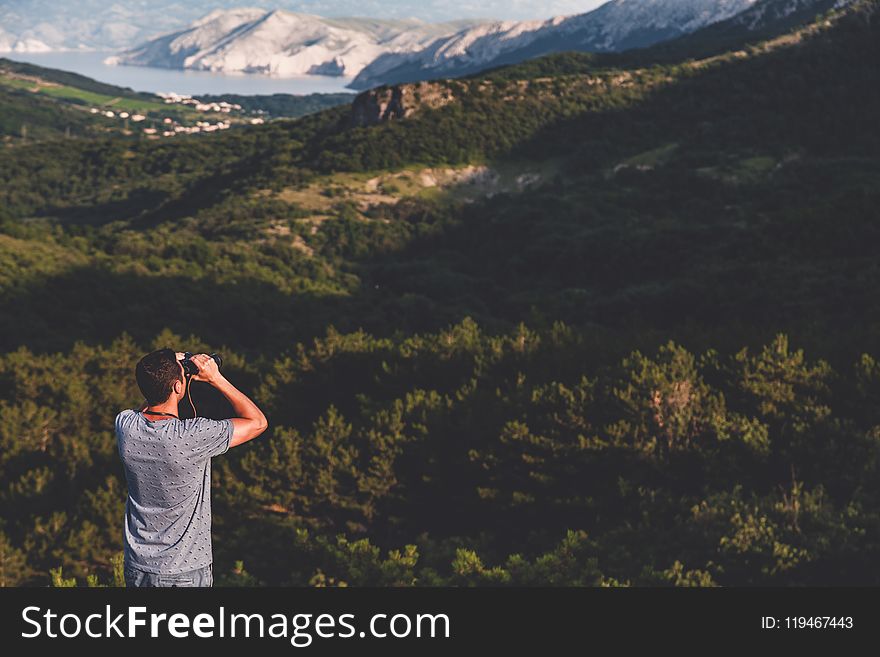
(207, 437)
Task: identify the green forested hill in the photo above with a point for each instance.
(70, 79)
(460, 325)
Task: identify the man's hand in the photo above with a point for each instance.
(208, 370)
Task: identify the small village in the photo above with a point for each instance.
(157, 127)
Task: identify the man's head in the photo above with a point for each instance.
(159, 376)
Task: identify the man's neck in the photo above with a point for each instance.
(166, 409)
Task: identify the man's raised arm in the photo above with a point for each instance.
(249, 421)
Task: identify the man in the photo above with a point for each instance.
(167, 464)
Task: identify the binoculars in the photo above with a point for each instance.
(190, 368)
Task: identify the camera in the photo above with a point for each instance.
(190, 368)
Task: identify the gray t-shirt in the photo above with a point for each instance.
(168, 469)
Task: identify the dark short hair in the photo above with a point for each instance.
(156, 374)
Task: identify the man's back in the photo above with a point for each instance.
(168, 469)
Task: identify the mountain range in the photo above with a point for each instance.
(385, 51)
(379, 51)
(48, 25)
(42, 25)
(284, 43)
(615, 26)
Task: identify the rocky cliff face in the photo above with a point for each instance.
(398, 102)
(402, 101)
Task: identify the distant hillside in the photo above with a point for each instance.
(763, 20)
(614, 26)
(42, 103)
(491, 113)
(71, 79)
